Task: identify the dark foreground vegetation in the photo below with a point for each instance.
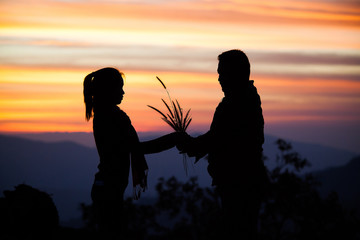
(293, 209)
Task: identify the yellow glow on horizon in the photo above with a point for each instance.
(34, 104)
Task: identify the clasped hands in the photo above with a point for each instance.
(186, 145)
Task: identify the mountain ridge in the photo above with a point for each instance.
(315, 153)
(345, 180)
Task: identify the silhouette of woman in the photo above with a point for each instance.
(118, 146)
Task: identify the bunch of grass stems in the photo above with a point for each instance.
(175, 117)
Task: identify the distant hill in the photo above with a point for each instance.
(319, 156)
(65, 169)
(344, 180)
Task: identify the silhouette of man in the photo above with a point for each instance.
(234, 147)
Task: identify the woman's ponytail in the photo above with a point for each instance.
(88, 96)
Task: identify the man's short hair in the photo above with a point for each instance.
(236, 61)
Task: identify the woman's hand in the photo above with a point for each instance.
(191, 146)
(182, 138)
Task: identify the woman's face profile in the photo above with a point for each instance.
(119, 92)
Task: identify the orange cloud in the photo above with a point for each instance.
(94, 14)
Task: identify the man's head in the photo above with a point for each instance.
(233, 69)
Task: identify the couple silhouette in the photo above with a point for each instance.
(233, 146)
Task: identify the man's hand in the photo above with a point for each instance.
(183, 142)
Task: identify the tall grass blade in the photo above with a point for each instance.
(187, 124)
(157, 111)
(170, 124)
(185, 164)
(172, 120)
(167, 106)
(186, 116)
(176, 114)
(161, 82)
(180, 114)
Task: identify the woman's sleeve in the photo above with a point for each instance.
(159, 144)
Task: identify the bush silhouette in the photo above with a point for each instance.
(292, 209)
(27, 213)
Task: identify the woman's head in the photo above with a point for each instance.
(103, 87)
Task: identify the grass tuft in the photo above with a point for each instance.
(175, 117)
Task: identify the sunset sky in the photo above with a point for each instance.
(305, 57)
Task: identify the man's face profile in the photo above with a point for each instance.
(226, 77)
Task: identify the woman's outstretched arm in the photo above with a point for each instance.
(162, 143)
